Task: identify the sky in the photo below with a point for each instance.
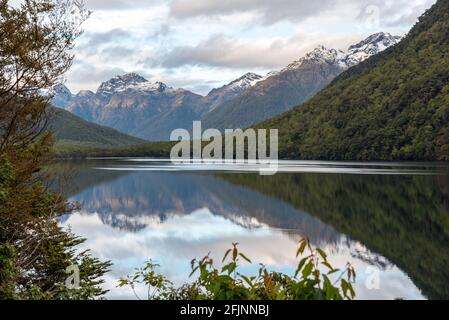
(203, 44)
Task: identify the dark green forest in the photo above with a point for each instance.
(69, 129)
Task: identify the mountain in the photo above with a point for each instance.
(61, 95)
(217, 97)
(293, 85)
(70, 129)
(393, 106)
(369, 47)
(150, 110)
(133, 105)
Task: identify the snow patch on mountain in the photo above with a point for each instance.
(85, 93)
(246, 81)
(318, 55)
(60, 95)
(271, 74)
(357, 53)
(371, 46)
(130, 82)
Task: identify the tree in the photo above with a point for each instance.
(35, 42)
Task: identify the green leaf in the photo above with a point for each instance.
(344, 287)
(300, 265)
(322, 253)
(333, 271)
(301, 248)
(351, 289)
(247, 280)
(245, 258)
(193, 271)
(226, 254)
(234, 253)
(327, 265)
(307, 270)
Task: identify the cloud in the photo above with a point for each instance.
(163, 31)
(200, 84)
(84, 75)
(117, 52)
(223, 51)
(203, 44)
(270, 11)
(92, 42)
(391, 12)
(117, 4)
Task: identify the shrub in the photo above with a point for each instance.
(308, 283)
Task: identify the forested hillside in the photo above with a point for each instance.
(70, 129)
(394, 106)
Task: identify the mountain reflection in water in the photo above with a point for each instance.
(396, 222)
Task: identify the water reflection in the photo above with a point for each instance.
(133, 215)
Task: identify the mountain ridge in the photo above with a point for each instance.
(70, 129)
(149, 110)
(393, 106)
(152, 110)
(294, 84)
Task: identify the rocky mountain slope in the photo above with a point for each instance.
(294, 84)
(133, 105)
(149, 110)
(217, 97)
(152, 110)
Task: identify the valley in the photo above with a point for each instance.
(152, 110)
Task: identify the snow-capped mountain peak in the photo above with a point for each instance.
(246, 81)
(85, 93)
(357, 53)
(227, 92)
(59, 90)
(149, 86)
(381, 40)
(320, 54)
(372, 45)
(60, 95)
(130, 81)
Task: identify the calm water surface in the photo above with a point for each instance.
(386, 219)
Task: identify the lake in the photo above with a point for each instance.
(389, 220)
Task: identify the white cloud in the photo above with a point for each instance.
(119, 4)
(223, 51)
(270, 11)
(86, 76)
(392, 11)
(205, 43)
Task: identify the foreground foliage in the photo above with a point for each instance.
(310, 282)
(35, 42)
(34, 251)
(404, 218)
